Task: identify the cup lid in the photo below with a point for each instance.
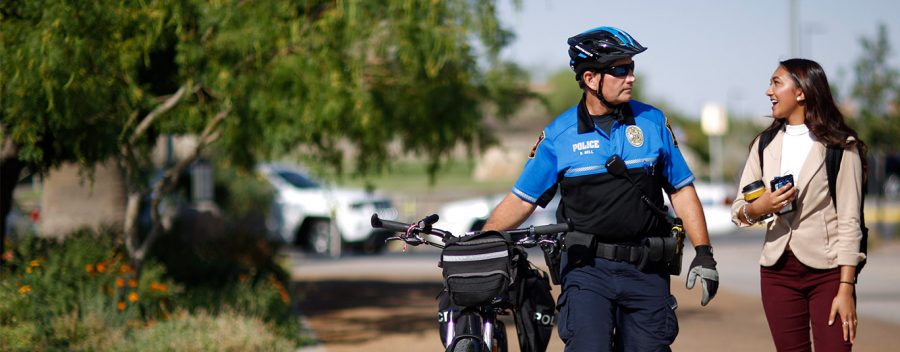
(752, 186)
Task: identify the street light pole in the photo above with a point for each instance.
(714, 122)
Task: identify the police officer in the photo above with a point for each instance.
(610, 156)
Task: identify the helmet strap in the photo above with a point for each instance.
(615, 108)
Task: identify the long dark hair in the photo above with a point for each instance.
(823, 117)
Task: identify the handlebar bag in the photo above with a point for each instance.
(477, 268)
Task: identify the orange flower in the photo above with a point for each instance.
(133, 297)
(101, 267)
(89, 268)
(156, 286)
(242, 277)
(25, 289)
(125, 269)
(35, 263)
(120, 306)
(28, 270)
(132, 283)
(120, 282)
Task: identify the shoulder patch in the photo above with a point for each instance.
(669, 127)
(536, 144)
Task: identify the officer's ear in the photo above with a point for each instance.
(591, 79)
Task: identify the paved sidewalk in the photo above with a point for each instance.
(372, 304)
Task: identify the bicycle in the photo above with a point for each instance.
(476, 328)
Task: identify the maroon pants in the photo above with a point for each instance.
(796, 297)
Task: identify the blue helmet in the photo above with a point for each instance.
(599, 47)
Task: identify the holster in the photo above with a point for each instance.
(665, 252)
(580, 248)
(661, 253)
(553, 258)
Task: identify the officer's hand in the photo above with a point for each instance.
(704, 266)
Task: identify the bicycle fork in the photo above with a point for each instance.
(485, 342)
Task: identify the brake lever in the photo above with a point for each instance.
(547, 243)
(527, 242)
(414, 240)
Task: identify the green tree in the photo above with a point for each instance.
(876, 91)
(86, 81)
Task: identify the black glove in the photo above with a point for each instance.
(704, 266)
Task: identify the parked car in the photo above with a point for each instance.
(716, 199)
(306, 212)
(470, 214)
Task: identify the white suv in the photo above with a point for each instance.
(310, 215)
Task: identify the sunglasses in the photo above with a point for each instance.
(620, 70)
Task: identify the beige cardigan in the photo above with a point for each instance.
(819, 236)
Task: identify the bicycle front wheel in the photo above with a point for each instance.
(500, 342)
(468, 333)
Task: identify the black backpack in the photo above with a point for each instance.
(534, 308)
(833, 156)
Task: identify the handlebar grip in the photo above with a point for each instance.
(551, 229)
(388, 225)
(430, 219)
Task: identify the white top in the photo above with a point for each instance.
(797, 143)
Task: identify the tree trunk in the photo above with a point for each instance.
(10, 168)
(137, 249)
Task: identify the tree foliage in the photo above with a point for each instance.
(307, 72)
(88, 80)
(877, 94)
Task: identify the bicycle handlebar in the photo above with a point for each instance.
(523, 236)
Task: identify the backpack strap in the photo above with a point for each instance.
(833, 156)
(765, 138)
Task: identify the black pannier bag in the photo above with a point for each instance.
(477, 268)
(534, 306)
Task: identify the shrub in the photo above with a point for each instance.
(81, 294)
(201, 331)
(56, 294)
(228, 265)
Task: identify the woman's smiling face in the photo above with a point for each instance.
(786, 97)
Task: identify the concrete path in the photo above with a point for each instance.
(386, 302)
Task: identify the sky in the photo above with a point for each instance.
(707, 51)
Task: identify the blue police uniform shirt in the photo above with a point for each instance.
(571, 155)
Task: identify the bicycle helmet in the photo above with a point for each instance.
(599, 47)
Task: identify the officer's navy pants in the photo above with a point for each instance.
(611, 306)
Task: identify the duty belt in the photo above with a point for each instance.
(619, 252)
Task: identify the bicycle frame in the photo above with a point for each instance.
(491, 328)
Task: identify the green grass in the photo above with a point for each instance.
(412, 177)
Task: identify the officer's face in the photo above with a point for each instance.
(616, 86)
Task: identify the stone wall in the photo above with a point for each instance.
(70, 200)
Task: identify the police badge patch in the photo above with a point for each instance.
(635, 135)
(672, 132)
(536, 144)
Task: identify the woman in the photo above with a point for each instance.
(808, 262)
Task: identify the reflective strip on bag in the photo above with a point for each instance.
(475, 257)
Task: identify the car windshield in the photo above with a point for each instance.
(297, 180)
